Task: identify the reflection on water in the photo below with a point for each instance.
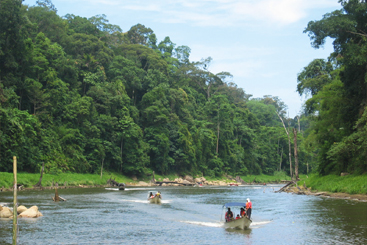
(187, 215)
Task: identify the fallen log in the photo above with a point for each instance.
(283, 188)
(113, 182)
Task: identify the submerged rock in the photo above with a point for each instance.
(32, 212)
(5, 212)
(21, 209)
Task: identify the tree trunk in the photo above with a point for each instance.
(295, 154)
(121, 154)
(290, 157)
(102, 167)
(39, 182)
(218, 128)
(289, 144)
(281, 158)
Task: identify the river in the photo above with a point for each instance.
(187, 215)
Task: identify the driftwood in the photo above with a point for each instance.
(282, 189)
(57, 198)
(113, 182)
(173, 182)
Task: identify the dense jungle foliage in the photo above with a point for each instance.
(338, 90)
(79, 94)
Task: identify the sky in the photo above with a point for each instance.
(260, 42)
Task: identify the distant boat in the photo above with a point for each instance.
(233, 184)
(155, 198)
(242, 223)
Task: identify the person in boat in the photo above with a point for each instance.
(158, 194)
(229, 215)
(242, 212)
(248, 208)
(238, 216)
(151, 195)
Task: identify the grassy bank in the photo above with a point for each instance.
(68, 179)
(351, 184)
(74, 179)
(277, 177)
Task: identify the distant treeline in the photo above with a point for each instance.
(79, 93)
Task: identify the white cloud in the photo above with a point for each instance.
(227, 12)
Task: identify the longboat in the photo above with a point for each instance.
(242, 223)
(156, 198)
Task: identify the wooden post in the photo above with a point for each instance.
(15, 205)
(56, 198)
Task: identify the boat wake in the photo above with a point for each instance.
(112, 189)
(146, 201)
(253, 225)
(258, 224)
(139, 189)
(208, 224)
(137, 201)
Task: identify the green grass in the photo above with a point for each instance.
(74, 179)
(351, 184)
(69, 179)
(277, 177)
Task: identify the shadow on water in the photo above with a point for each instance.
(237, 231)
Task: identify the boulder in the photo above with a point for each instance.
(178, 180)
(21, 209)
(189, 178)
(166, 180)
(344, 174)
(5, 212)
(32, 212)
(222, 183)
(142, 183)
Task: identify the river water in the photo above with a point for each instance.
(187, 215)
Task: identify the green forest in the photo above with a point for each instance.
(80, 95)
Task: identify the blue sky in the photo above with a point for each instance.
(260, 42)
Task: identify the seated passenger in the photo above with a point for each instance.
(242, 212)
(238, 216)
(229, 215)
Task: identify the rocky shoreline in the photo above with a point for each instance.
(302, 190)
(187, 180)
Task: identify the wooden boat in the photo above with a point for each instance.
(157, 198)
(241, 223)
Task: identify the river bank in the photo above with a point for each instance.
(27, 181)
(352, 187)
(304, 191)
